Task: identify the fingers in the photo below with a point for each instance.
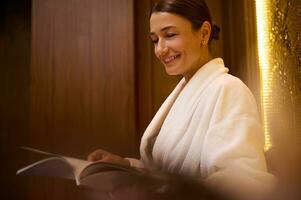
(97, 155)
(93, 157)
(101, 155)
(116, 160)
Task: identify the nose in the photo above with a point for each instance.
(161, 48)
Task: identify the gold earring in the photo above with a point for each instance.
(203, 43)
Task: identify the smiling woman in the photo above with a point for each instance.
(177, 45)
(209, 127)
(182, 36)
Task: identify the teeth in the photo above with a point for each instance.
(169, 59)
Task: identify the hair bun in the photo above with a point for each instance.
(215, 32)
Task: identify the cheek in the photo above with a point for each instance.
(194, 49)
(184, 45)
(177, 45)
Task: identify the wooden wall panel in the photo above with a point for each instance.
(85, 92)
(143, 67)
(82, 83)
(14, 88)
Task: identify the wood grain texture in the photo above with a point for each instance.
(14, 97)
(94, 82)
(82, 83)
(143, 67)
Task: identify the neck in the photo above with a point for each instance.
(203, 60)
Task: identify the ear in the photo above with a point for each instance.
(205, 32)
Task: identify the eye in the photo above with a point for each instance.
(155, 41)
(170, 35)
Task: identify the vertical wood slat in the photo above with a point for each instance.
(14, 87)
(144, 69)
(82, 83)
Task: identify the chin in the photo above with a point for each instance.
(171, 72)
(173, 69)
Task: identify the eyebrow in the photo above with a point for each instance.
(163, 29)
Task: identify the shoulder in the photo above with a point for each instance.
(229, 82)
(228, 85)
(233, 96)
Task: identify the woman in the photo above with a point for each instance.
(209, 125)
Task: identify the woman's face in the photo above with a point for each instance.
(176, 44)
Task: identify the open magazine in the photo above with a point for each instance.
(96, 175)
(106, 177)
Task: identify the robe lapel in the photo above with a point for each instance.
(182, 99)
(154, 127)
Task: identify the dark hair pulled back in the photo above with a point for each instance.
(196, 11)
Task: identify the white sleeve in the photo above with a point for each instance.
(233, 153)
(235, 161)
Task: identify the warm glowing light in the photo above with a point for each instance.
(263, 27)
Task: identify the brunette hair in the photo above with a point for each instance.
(195, 11)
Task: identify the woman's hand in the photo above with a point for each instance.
(105, 156)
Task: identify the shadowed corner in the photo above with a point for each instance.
(161, 186)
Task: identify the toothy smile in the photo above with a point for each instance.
(169, 59)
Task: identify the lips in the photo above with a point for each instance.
(169, 59)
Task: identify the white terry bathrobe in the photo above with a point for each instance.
(209, 128)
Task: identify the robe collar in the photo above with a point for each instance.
(183, 93)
